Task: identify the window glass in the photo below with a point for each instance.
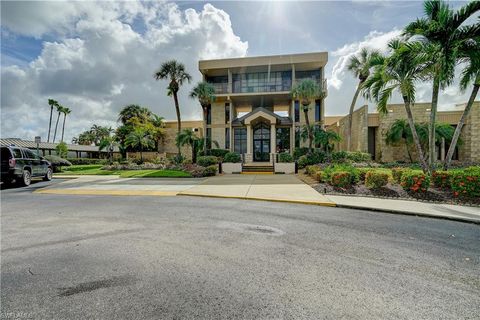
(318, 110)
(17, 154)
(29, 154)
(227, 112)
(297, 137)
(227, 138)
(5, 153)
(297, 111)
(240, 140)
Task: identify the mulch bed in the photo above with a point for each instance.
(390, 191)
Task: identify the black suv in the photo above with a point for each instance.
(22, 164)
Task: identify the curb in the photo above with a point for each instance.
(408, 213)
(315, 203)
(95, 192)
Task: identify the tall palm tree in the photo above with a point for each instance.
(60, 111)
(139, 138)
(443, 28)
(306, 91)
(132, 111)
(470, 54)
(399, 71)
(188, 137)
(175, 72)
(205, 93)
(400, 132)
(360, 66)
(66, 111)
(108, 143)
(52, 103)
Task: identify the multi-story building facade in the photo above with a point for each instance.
(254, 113)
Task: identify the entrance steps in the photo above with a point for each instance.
(254, 168)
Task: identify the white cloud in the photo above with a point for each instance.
(100, 62)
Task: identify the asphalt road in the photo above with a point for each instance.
(99, 257)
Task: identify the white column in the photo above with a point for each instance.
(249, 139)
(273, 141)
(230, 81)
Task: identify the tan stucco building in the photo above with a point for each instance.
(253, 113)
(369, 131)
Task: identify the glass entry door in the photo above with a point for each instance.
(261, 142)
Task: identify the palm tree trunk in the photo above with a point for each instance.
(205, 113)
(63, 127)
(179, 120)
(431, 125)
(56, 126)
(309, 130)
(141, 154)
(416, 140)
(194, 156)
(50, 123)
(461, 122)
(408, 152)
(350, 117)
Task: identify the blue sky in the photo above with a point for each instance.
(96, 57)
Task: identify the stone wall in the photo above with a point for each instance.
(168, 146)
(359, 140)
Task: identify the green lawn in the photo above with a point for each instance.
(96, 170)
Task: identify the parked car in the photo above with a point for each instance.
(22, 164)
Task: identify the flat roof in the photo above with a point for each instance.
(314, 59)
(49, 145)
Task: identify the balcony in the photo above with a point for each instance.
(279, 81)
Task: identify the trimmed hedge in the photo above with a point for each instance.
(397, 174)
(232, 157)
(375, 180)
(206, 161)
(466, 183)
(210, 171)
(341, 179)
(285, 157)
(442, 179)
(81, 161)
(298, 152)
(357, 156)
(309, 159)
(414, 181)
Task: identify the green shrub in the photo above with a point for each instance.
(362, 172)
(397, 174)
(303, 161)
(319, 176)
(82, 161)
(219, 153)
(339, 156)
(357, 156)
(310, 170)
(187, 161)
(341, 179)
(298, 152)
(466, 183)
(330, 170)
(375, 180)
(61, 149)
(210, 171)
(415, 181)
(232, 157)
(206, 161)
(312, 158)
(441, 179)
(285, 157)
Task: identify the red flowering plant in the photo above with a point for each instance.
(341, 179)
(441, 179)
(415, 182)
(466, 183)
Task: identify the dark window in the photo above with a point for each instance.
(220, 83)
(283, 140)
(311, 74)
(6, 154)
(240, 140)
(29, 154)
(297, 137)
(262, 81)
(318, 110)
(209, 138)
(209, 114)
(227, 112)
(297, 111)
(227, 138)
(17, 154)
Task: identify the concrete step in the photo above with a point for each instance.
(257, 168)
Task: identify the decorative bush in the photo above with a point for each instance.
(362, 172)
(187, 161)
(195, 170)
(341, 179)
(285, 157)
(312, 158)
(376, 179)
(415, 181)
(219, 153)
(319, 176)
(232, 157)
(135, 166)
(466, 183)
(330, 170)
(339, 156)
(177, 159)
(298, 152)
(210, 171)
(57, 162)
(310, 170)
(441, 179)
(358, 156)
(82, 161)
(206, 161)
(397, 174)
(303, 161)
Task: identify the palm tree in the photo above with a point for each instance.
(108, 143)
(205, 93)
(132, 111)
(188, 137)
(470, 54)
(306, 91)
(175, 72)
(139, 138)
(52, 103)
(443, 28)
(60, 111)
(399, 132)
(360, 66)
(400, 71)
(65, 111)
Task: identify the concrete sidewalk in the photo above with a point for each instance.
(444, 211)
(282, 188)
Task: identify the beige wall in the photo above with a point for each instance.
(168, 146)
(359, 129)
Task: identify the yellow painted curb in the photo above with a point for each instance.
(108, 192)
(317, 203)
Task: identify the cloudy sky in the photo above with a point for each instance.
(96, 57)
